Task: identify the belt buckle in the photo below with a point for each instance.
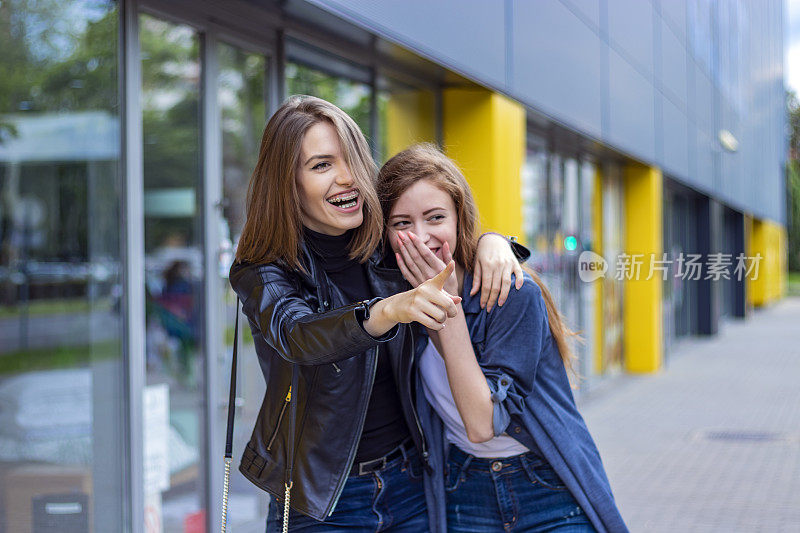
(371, 466)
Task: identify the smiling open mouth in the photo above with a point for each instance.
(344, 200)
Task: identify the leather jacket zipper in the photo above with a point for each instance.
(353, 447)
(413, 406)
(336, 368)
(280, 417)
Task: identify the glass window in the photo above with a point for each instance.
(242, 100)
(352, 96)
(406, 115)
(613, 246)
(534, 202)
(62, 443)
(174, 444)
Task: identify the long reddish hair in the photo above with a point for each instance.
(274, 224)
(426, 162)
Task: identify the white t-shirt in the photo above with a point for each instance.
(437, 391)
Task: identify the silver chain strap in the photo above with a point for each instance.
(225, 489)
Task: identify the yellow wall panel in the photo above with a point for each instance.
(410, 118)
(484, 132)
(783, 255)
(769, 240)
(643, 335)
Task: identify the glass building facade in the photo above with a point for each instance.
(78, 442)
(128, 134)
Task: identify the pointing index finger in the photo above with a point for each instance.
(441, 277)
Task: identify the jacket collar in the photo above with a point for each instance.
(470, 304)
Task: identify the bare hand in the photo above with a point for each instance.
(429, 304)
(494, 264)
(419, 264)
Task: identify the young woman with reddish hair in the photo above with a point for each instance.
(519, 454)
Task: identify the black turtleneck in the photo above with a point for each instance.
(384, 427)
(346, 274)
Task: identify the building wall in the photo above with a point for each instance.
(689, 68)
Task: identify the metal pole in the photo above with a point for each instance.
(133, 256)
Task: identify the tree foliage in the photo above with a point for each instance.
(58, 57)
(793, 182)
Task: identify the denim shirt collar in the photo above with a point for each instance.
(470, 304)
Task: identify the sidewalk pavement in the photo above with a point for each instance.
(712, 442)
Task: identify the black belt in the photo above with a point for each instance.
(365, 467)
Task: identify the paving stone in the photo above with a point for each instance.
(653, 431)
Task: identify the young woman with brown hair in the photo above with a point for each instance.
(338, 435)
(519, 454)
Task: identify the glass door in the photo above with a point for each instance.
(173, 399)
(613, 246)
(242, 96)
(63, 445)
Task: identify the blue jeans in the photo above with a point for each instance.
(390, 499)
(520, 493)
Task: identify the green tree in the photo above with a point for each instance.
(351, 96)
(54, 59)
(793, 183)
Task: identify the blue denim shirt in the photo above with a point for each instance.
(533, 401)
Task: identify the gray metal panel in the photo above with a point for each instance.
(704, 104)
(676, 147)
(565, 81)
(763, 142)
(674, 12)
(587, 9)
(466, 35)
(730, 174)
(704, 178)
(631, 123)
(630, 27)
(673, 64)
(554, 56)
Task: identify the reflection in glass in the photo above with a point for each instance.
(351, 96)
(613, 246)
(242, 99)
(61, 374)
(406, 115)
(173, 402)
(557, 208)
(534, 205)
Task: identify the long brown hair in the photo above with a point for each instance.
(273, 229)
(426, 162)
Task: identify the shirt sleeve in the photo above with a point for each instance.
(515, 337)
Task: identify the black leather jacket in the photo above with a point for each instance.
(302, 319)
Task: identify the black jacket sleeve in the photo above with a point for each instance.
(276, 309)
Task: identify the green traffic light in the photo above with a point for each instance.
(570, 243)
